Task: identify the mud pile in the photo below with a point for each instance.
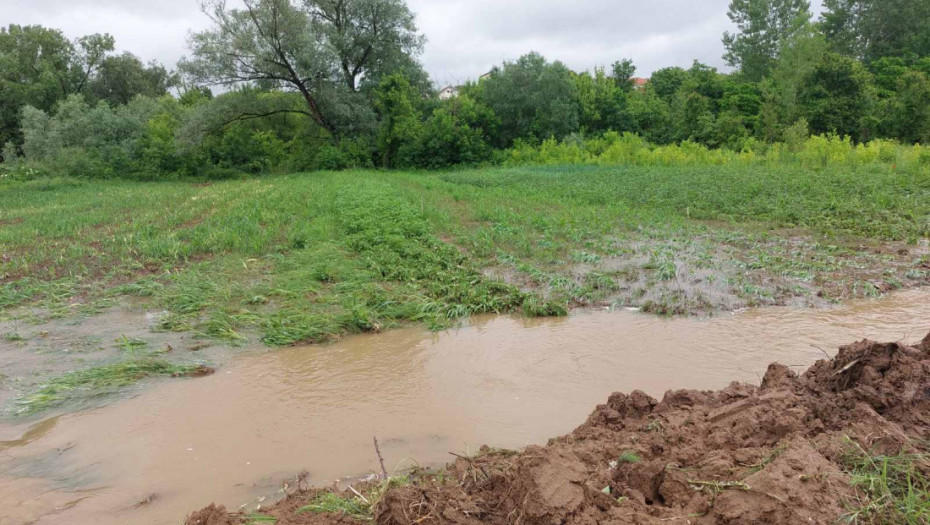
(767, 454)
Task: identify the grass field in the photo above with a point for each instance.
(309, 258)
(303, 258)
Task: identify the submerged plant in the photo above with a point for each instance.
(98, 381)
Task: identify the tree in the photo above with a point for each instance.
(395, 101)
(122, 77)
(872, 29)
(764, 25)
(604, 102)
(652, 116)
(697, 102)
(39, 67)
(90, 53)
(534, 99)
(34, 70)
(799, 55)
(836, 97)
(318, 48)
(622, 73)
(904, 108)
(667, 81)
(369, 38)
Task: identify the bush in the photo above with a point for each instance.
(331, 158)
(815, 152)
(220, 173)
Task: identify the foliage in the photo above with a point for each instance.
(331, 85)
(123, 77)
(872, 29)
(895, 489)
(533, 98)
(359, 506)
(836, 97)
(39, 67)
(317, 48)
(764, 25)
(810, 152)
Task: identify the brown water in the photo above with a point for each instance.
(508, 382)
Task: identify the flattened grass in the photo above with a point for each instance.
(305, 258)
(82, 385)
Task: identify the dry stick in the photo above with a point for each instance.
(823, 351)
(384, 473)
(359, 494)
(473, 464)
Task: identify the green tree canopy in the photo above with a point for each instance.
(318, 48)
(836, 97)
(40, 67)
(533, 97)
(122, 77)
(763, 26)
(872, 29)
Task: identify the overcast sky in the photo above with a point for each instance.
(465, 37)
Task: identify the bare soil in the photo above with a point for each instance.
(771, 454)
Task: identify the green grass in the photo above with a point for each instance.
(330, 503)
(306, 258)
(895, 489)
(629, 457)
(358, 505)
(259, 519)
(82, 385)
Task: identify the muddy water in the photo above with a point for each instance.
(507, 382)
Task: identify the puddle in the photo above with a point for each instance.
(506, 382)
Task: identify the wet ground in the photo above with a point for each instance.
(507, 382)
(35, 348)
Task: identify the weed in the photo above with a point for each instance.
(359, 506)
(895, 489)
(769, 458)
(95, 382)
(131, 345)
(331, 503)
(259, 519)
(629, 457)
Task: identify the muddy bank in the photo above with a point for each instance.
(777, 453)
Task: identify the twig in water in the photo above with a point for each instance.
(384, 473)
(822, 350)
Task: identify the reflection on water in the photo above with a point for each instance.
(503, 381)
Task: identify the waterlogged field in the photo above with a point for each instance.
(311, 257)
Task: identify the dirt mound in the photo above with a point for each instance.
(212, 515)
(743, 455)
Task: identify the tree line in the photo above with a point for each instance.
(333, 84)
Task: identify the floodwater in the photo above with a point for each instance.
(234, 437)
